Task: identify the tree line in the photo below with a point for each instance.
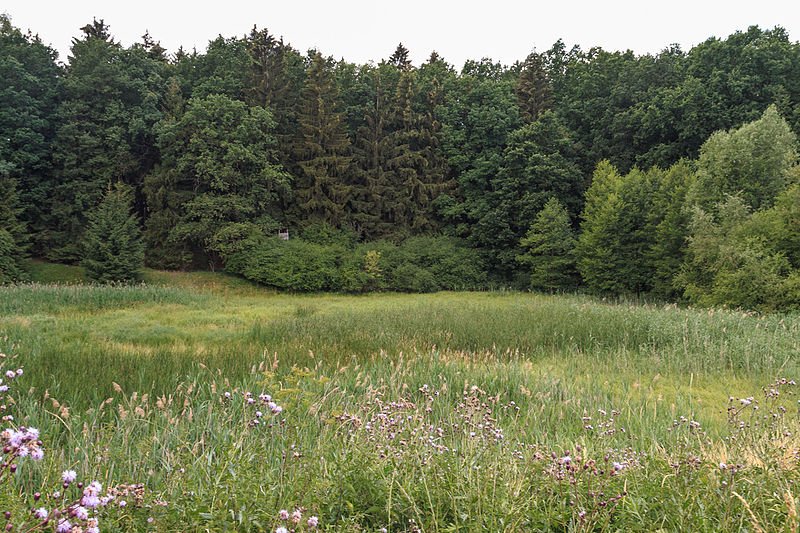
(672, 175)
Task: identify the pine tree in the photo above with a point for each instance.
(113, 248)
(322, 150)
(534, 89)
(550, 249)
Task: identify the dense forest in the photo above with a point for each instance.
(672, 176)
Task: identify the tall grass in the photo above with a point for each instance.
(443, 412)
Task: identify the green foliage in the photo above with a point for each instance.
(218, 181)
(113, 248)
(107, 114)
(550, 249)
(731, 261)
(13, 236)
(752, 161)
(322, 150)
(27, 119)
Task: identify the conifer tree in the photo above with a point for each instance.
(550, 249)
(534, 89)
(321, 150)
(109, 108)
(112, 247)
(373, 191)
(400, 58)
(13, 238)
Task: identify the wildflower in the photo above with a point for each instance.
(41, 513)
(297, 516)
(618, 466)
(277, 409)
(81, 513)
(259, 414)
(122, 503)
(227, 395)
(68, 476)
(19, 371)
(281, 530)
(723, 466)
(3, 388)
(283, 514)
(313, 522)
(566, 460)
(746, 401)
(10, 374)
(64, 526)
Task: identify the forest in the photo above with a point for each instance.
(671, 176)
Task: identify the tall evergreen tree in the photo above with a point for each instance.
(373, 192)
(113, 248)
(322, 150)
(13, 235)
(400, 58)
(534, 89)
(107, 115)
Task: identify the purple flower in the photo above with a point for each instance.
(41, 513)
(283, 514)
(68, 476)
(313, 522)
(81, 513)
(281, 530)
(297, 516)
(63, 526)
(10, 374)
(90, 500)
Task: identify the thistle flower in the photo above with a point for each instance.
(313, 522)
(41, 513)
(81, 513)
(297, 516)
(283, 514)
(68, 476)
(64, 526)
(281, 529)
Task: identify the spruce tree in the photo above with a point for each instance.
(321, 150)
(372, 193)
(550, 249)
(534, 89)
(112, 247)
(13, 238)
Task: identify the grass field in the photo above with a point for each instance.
(442, 412)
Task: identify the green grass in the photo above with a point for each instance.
(143, 370)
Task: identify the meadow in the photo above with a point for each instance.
(206, 403)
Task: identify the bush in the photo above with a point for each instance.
(420, 264)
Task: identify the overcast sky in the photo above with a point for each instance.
(363, 30)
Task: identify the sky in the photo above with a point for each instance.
(363, 30)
